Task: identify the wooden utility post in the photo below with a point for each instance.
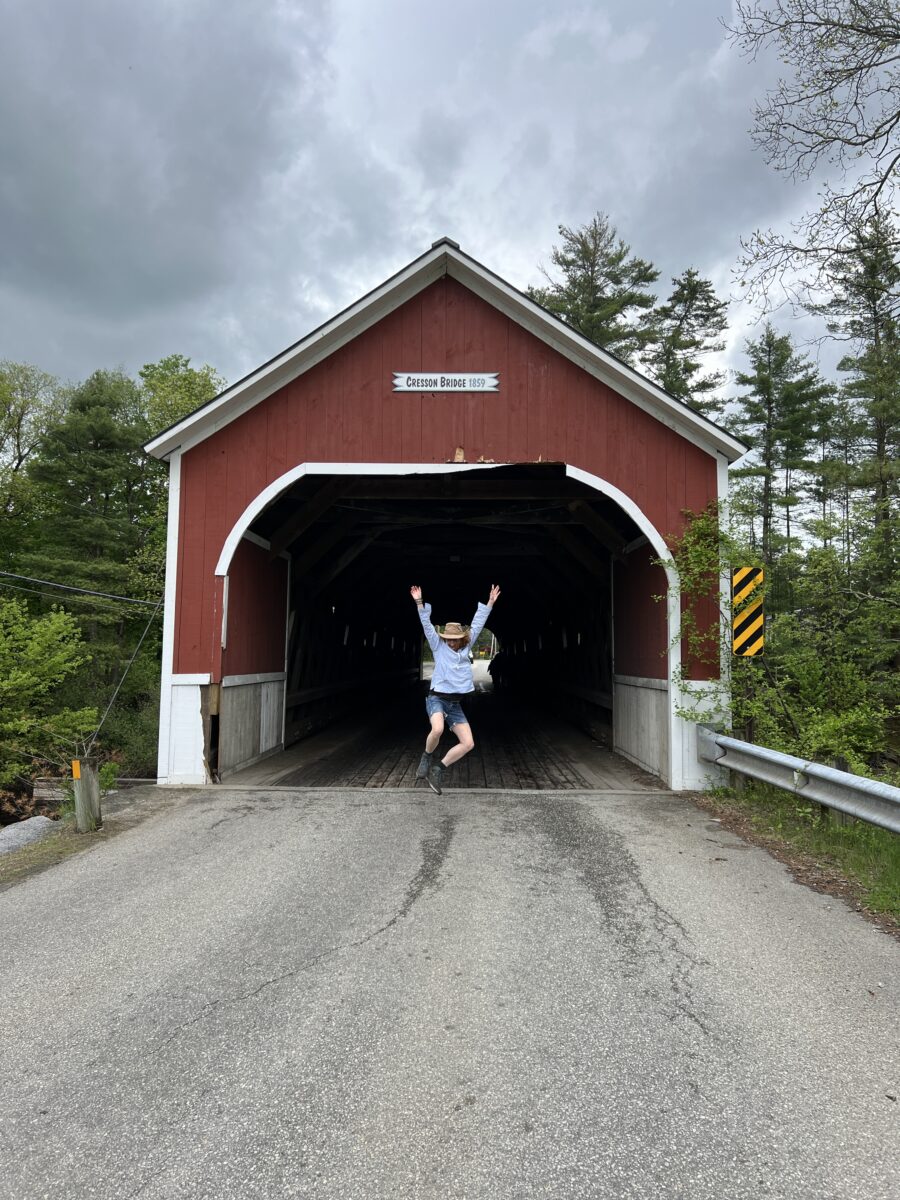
(88, 817)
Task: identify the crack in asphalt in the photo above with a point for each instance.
(434, 854)
(603, 865)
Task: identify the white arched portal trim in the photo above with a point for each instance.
(677, 730)
(269, 494)
(274, 490)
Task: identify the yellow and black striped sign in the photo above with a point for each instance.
(748, 621)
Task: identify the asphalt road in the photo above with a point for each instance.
(341, 994)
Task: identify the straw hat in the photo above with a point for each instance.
(453, 630)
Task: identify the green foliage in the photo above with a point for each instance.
(862, 852)
(37, 654)
(90, 491)
(826, 688)
(777, 417)
(172, 388)
(88, 470)
(30, 400)
(688, 326)
(601, 290)
(864, 309)
(108, 776)
(131, 730)
(96, 519)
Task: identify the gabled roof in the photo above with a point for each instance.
(444, 258)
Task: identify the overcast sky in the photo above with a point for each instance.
(215, 178)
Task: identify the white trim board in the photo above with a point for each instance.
(639, 681)
(242, 680)
(168, 640)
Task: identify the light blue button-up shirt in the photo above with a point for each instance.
(452, 669)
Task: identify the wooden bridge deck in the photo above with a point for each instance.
(515, 747)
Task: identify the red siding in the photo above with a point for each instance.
(641, 634)
(256, 612)
(344, 410)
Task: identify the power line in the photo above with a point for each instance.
(84, 591)
(59, 599)
(125, 672)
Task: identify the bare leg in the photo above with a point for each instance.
(464, 745)
(437, 731)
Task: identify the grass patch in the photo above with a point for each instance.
(54, 847)
(867, 857)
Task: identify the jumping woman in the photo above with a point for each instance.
(452, 679)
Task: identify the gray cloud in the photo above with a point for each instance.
(216, 179)
(137, 147)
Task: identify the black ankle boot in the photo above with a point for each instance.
(424, 765)
(436, 777)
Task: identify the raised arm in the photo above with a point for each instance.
(431, 635)
(482, 613)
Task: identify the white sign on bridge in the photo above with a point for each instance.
(449, 381)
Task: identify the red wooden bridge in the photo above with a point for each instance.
(307, 497)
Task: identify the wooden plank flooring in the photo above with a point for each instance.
(515, 747)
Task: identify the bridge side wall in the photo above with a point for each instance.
(641, 700)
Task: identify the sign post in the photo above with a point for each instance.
(85, 779)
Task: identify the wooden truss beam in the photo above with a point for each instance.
(593, 565)
(341, 563)
(301, 520)
(600, 528)
(328, 538)
(449, 487)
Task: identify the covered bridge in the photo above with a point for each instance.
(446, 431)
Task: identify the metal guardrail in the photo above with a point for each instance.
(867, 799)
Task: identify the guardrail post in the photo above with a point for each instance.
(834, 815)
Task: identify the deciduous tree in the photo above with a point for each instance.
(30, 400)
(172, 388)
(836, 110)
(37, 655)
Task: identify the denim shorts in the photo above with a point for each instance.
(452, 710)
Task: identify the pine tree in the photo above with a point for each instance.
(831, 471)
(90, 471)
(96, 520)
(602, 291)
(91, 496)
(684, 329)
(865, 310)
(777, 419)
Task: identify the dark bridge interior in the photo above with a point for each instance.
(358, 542)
